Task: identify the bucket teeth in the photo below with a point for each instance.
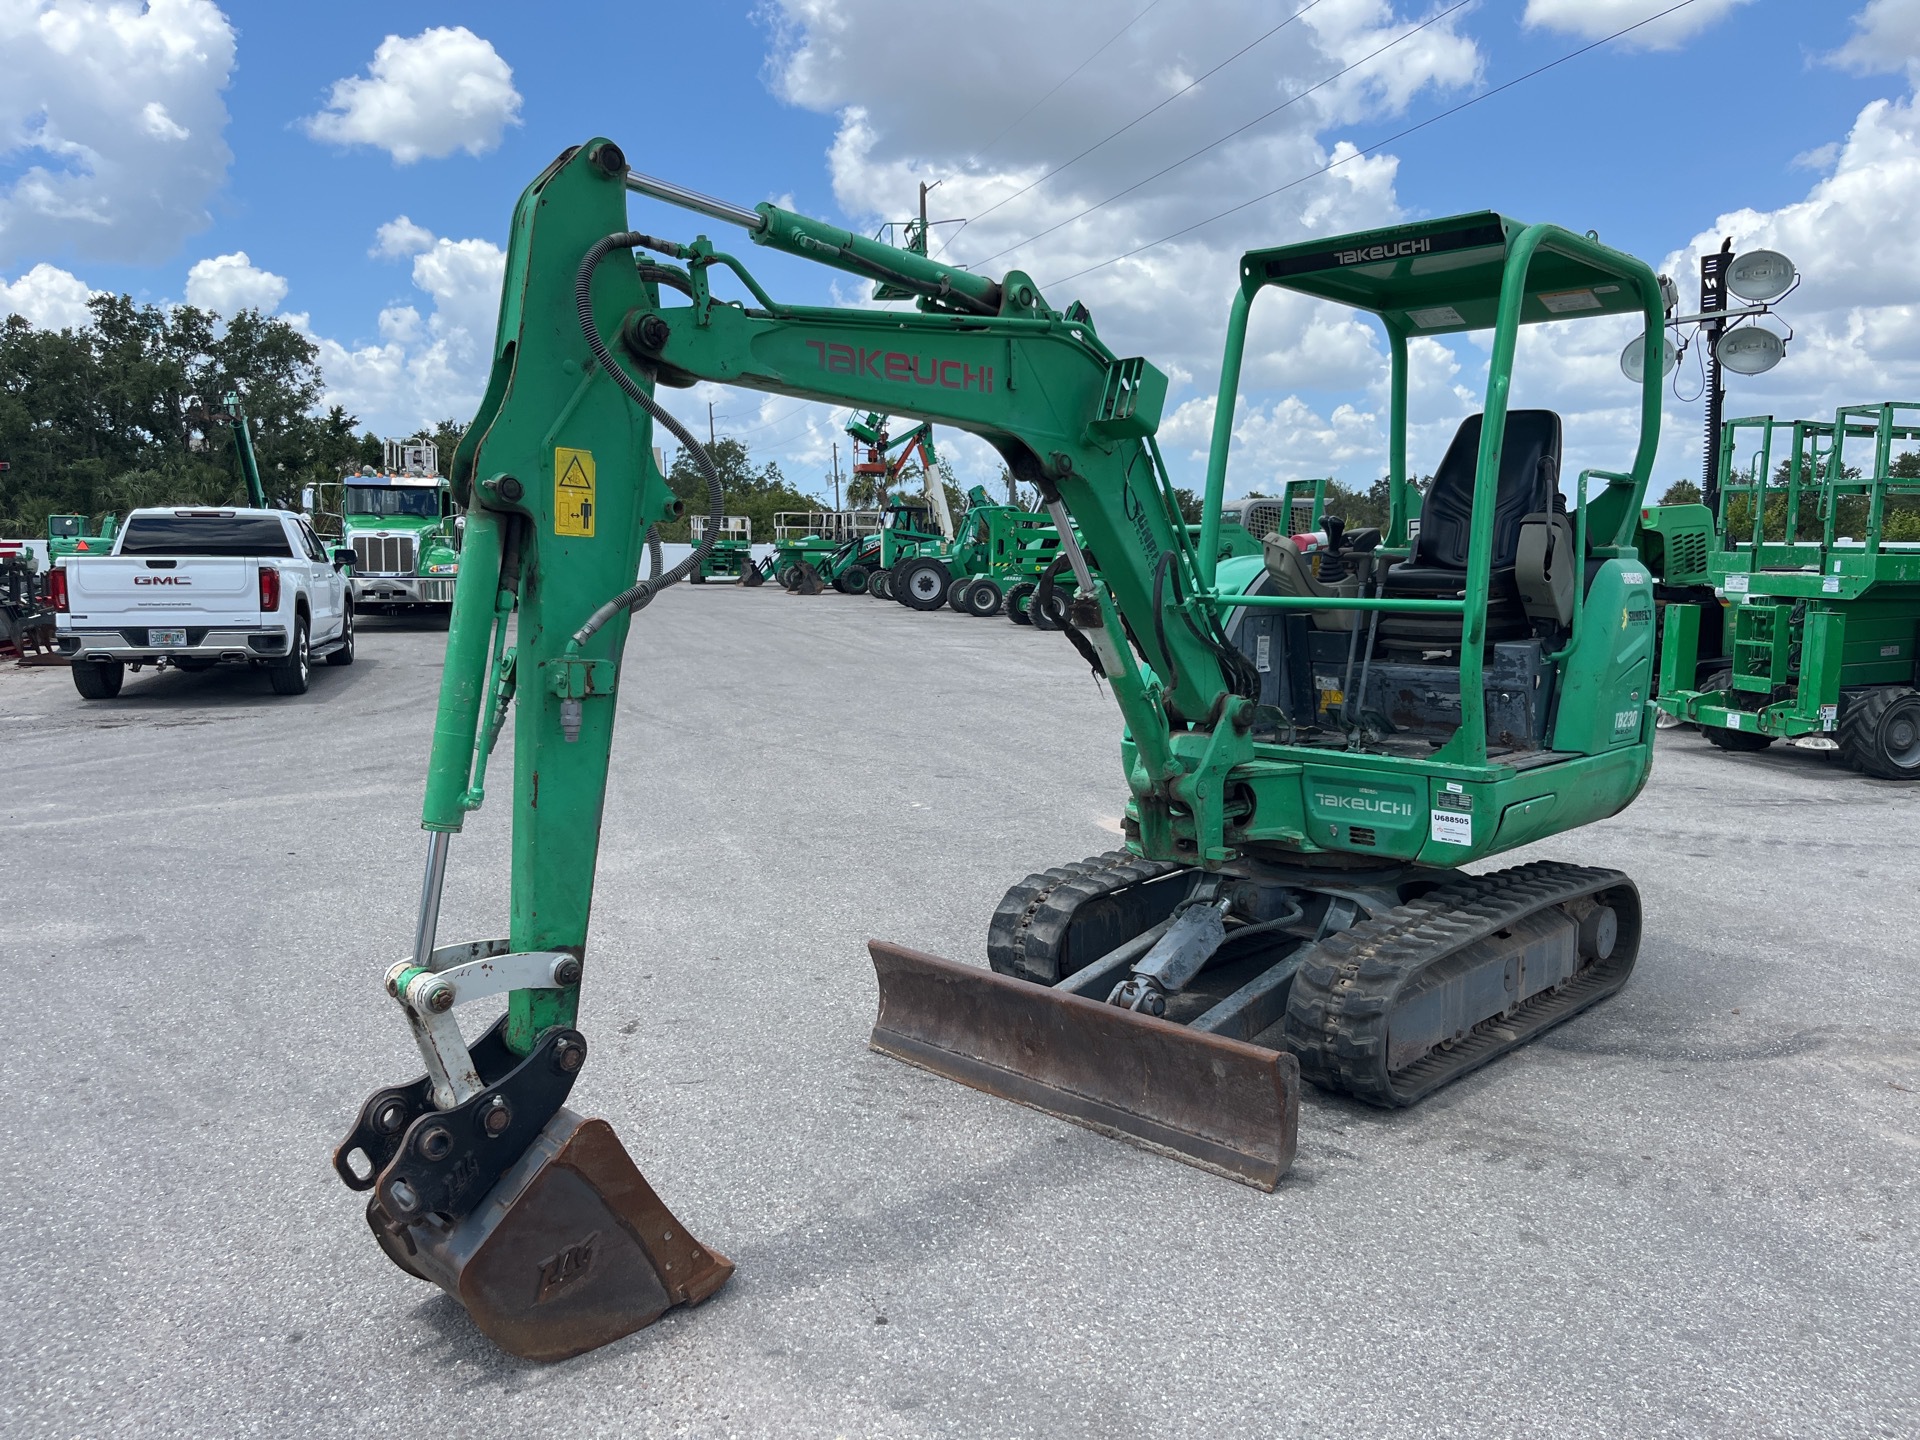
(1220, 1104)
(570, 1251)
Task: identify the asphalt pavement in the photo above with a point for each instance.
(1690, 1212)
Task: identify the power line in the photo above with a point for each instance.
(1144, 114)
(1216, 144)
(1063, 80)
(1359, 154)
(1009, 129)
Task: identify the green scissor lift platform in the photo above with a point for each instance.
(1820, 628)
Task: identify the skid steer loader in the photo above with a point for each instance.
(1310, 762)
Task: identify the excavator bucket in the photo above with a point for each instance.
(570, 1250)
(1220, 1104)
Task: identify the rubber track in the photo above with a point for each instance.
(1052, 915)
(1030, 924)
(1343, 995)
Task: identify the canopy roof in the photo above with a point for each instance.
(1441, 276)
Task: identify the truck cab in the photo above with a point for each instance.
(404, 530)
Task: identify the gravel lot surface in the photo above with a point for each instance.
(1690, 1212)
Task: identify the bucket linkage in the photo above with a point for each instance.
(483, 1181)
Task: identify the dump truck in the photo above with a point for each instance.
(1292, 899)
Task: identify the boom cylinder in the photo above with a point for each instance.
(826, 244)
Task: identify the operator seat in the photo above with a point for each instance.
(1529, 485)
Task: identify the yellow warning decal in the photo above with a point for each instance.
(572, 492)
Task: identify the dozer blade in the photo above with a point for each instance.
(570, 1251)
(1220, 1104)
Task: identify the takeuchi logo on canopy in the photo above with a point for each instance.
(1383, 252)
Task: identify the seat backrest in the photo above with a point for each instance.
(1529, 475)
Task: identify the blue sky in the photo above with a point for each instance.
(150, 147)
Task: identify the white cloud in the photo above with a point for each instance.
(424, 368)
(48, 298)
(1886, 37)
(114, 109)
(400, 324)
(1856, 316)
(443, 90)
(901, 123)
(1597, 19)
(228, 284)
(400, 236)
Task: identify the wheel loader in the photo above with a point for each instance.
(1310, 765)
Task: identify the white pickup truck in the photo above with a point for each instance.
(193, 589)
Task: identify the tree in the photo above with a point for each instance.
(754, 493)
(1681, 492)
(118, 413)
(445, 439)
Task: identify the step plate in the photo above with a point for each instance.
(1220, 1104)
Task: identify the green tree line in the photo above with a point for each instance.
(121, 412)
(1900, 517)
(753, 491)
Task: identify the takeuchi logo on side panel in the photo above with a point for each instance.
(1379, 806)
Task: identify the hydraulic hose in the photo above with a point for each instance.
(638, 595)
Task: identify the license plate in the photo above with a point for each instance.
(166, 637)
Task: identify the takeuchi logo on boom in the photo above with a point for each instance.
(899, 366)
(1383, 252)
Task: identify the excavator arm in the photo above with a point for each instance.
(560, 489)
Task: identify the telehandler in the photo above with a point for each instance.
(1309, 766)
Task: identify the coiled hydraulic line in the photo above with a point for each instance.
(638, 595)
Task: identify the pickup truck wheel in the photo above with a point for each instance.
(290, 676)
(344, 654)
(98, 679)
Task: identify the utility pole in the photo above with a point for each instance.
(710, 439)
(836, 474)
(1713, 299)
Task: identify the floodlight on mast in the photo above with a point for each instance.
(1761, 278)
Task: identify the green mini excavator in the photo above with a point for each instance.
(1312, 754)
